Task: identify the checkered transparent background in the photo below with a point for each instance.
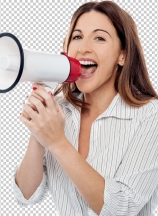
(42, 25)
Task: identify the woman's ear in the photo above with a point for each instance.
(122, 58)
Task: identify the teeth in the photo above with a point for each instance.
(87, 63)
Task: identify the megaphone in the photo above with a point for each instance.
(20, 65)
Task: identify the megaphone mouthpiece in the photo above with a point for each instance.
(4, 62)
(10, 62)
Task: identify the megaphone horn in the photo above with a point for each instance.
(19, 65)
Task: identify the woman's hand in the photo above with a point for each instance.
(40, 86)
(48, 119)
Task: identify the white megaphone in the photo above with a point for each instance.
(20, 65)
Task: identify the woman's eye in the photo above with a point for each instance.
(100, 39)
(76, 37)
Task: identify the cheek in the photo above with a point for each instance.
(108, 60)
(107, 68)
(72, 50)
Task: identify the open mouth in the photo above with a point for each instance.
(88, 69)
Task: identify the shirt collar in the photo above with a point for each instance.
(117, 108)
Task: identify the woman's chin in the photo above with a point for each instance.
(85, 89)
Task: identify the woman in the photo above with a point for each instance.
(96, 146)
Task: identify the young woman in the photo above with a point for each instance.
(95, 147)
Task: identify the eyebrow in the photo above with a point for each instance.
(94, 31)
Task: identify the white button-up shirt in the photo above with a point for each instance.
(123, 149)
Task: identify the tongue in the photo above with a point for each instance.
(88, 70)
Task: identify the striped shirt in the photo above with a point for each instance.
(123, 149)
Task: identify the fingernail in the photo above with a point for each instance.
(34, 88)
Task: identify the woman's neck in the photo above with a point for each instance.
(99, 102)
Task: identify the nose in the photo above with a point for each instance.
(85, 47)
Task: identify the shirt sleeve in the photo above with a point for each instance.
(137, 176)
(38, 195)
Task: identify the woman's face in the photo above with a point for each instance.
(94, 40)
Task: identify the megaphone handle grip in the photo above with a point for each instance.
(49, 86)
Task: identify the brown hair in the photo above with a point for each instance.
(132, 80)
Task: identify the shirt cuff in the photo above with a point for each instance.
(111, 201)
(37, 196)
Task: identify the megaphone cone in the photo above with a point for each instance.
(10, 46)
(20, 65)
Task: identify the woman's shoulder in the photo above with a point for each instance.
(141, 112)
(151, 106)
(149, 110)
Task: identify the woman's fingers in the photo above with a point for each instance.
(32, 114)
(32, 106)
(33, 93)
(36, 96)
(36, 104)
(38, 85)
(33, 100)
(46, 97)
(29, 98)
(54, 100)
(25, 114)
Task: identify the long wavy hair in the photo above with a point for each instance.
(132, 80)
